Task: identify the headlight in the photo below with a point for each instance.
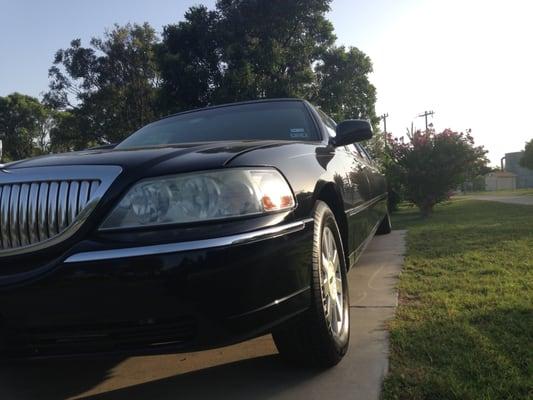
(201, 196)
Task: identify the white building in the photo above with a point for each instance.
(499, 180)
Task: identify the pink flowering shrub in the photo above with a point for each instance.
(429, 166)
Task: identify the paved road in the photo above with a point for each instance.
(524, 199)
(251, 370)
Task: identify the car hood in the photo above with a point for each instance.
(183, 157)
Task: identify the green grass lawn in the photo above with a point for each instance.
(464, 326)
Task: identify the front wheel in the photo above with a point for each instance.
(320, 336)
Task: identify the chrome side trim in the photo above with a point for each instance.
(32, 188)
(366, 204)
(203, 244)
(274, 303)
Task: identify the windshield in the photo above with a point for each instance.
(276, 120)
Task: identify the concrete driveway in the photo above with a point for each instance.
(523, 199)
(251, 370)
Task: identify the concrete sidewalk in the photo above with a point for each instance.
(523, 199)
(251, 370)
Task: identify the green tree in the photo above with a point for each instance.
(25, 124)
(527, 159)
(250, 49)
(110, 87)
(189, 61)
(65, 134)
(343, 86)
(241, 50)
(429, 166)
(269, 47)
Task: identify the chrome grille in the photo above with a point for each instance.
(34, 212)
(43, 206)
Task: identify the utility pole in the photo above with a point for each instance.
(425, 115)
(384, 118)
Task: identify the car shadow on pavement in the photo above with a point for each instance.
(259, 378)
(52, 378)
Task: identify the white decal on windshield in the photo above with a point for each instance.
(298, 133)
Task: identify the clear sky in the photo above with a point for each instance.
(468, 60)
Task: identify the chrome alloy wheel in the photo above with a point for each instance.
(331, 283)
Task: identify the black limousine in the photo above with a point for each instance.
(202, 229)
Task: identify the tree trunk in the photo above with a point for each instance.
(426, 209)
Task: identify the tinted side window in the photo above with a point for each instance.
(359, 151)
(354, 149)
(365, 152)
(330, 124)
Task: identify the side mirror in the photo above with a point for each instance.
(351, 131)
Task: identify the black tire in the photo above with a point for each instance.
(310, 338)
(386, 226)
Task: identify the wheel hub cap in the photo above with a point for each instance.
(332, 290)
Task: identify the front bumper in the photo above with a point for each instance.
(160, 298)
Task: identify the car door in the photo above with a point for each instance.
(351, 175)
(363, 183)
(378, 185)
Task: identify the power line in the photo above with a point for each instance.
(425, 114)
(384, 118)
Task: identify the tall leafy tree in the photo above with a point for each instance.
(270, 46)
(110, 86)
(25, 125)
(190, 60)
(250, 49)
(344, 89)
(65, 134)
(241, 50)
(527, 159)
